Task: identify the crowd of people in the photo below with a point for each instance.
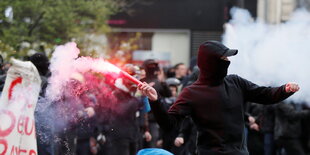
(98, 127)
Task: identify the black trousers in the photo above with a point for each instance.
(83, 147)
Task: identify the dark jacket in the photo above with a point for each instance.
(266, 119)
(2, 81)
(218, 112)
(216, 104)
(162, 89)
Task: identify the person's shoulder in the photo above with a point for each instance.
(233, 77)
(236, 79)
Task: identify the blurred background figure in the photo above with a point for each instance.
(1, 65)
(43, 117)
(41, 61)
(288, 128)
(152, 71)
(143, 133)
(191, 78)
(174, 86)
(181, 71)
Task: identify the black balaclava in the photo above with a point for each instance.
(151, 67)
(213, 69)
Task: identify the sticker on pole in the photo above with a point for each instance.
(17, 104)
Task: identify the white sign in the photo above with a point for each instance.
(17, 104)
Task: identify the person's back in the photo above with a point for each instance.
(218, 114)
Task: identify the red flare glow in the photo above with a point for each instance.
(131, 78)
(112, 68)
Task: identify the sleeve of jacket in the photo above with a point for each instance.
(185, 129)
(166, 121)
(175, 115)
(261, 94)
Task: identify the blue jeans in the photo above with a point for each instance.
(269, 146)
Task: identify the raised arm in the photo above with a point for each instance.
(266, 95)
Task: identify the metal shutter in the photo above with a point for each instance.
(198, 37)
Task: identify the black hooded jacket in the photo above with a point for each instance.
(216, 103)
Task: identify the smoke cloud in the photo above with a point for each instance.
(271, 54)
(77, 83)
(66, 64)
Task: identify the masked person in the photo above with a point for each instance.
(216, 102)
(152, 71)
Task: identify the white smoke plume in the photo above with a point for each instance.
(65, 63)
(60, 108)
(271, 54)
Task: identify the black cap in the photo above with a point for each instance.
(150, 66)
(219, 49)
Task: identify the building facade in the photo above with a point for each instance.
(177, 27)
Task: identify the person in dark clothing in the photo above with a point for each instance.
(190, 79)
(152, 70)
(216, 102)
(40, 60)
(254, 136)
(167, 137)
(306, 129)
(266, 121)
(42, 112)
(1, 65)
(180, 71)
(185, 142)
(288, 129)
(120, 129)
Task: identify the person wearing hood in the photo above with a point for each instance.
(216, 102)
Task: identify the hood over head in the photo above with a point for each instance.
(213, 69)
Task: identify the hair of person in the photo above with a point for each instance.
(177, 65)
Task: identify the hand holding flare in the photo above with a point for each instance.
(148, 91)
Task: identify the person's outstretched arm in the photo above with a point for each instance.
(165, 120)
(266, 95)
